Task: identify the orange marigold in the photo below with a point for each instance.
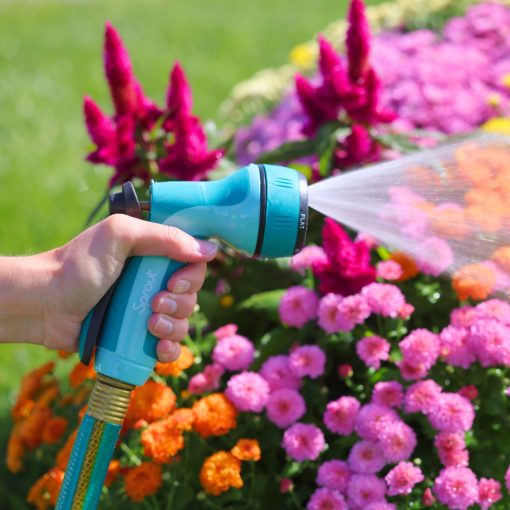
(246, 449)
(150, 402)
(80, 373)
(31, 429)
(450, 222)
(407, 263)
(15, 452)
(219, 472)
(143, 480)
(474, 281)
(44, 493)
(502, 257)
(54, 429)
(175, 368)
(161, 441)
(48, 395)
(182, 418)
(214, 415)
(113, 472)
(65, 452)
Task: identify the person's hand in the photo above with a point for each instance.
(86, 267)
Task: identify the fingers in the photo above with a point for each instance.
(168, 351)
(188, 280)
(167, 327)
(179, 306)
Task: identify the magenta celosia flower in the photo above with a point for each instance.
(451, 413)
(365, 489)
(372, 419)
(340, 415)
(207, 380)
(457, 488)
(298, 306)
(347, 269)
(102, 132)
(402, 478)
(326, 498)
(307, 360)
(388, 393)
(234, 352)
(358, 41)
(366, 457)
(489, 492)
(464, 317)
(422, 396)
(397, 441)
(303, 442)
(384, 299)
(358, 147)
(372, 350)
(434, 256)
(334, 474)
(380, 505)
(179, 100)
(284, 407)
(494, 309)
(276, 371)
(248, 391)
(451, 448)
(491, 341)
(389, 270)
(421, 347)
(306, 258)
(456, 348)
(226, 330)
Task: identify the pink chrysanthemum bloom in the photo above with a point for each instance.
(434, 256)
(489, 492)
(402, 478)
(365, 489)
(389, 270)
(366, 457)
(340, 415)
(388, 393)
(421, 396)
(334, 474)
(298, 306)
(248, 391)
(307, 360)
(226, 330)
(457, 488)
(464, 317)
(328, 311)
(306, 258)
(406, 311)
(381, 505)
(397, 441)
(207, 380)
(421, 347)
(494, 309)
(276, 371)
(326, 499)
(342, 314)
(456, 347)
(411, 372)
(491, 341)
(372, 350)
(452, 413)
(372, 419)
(451, 448)
(234, 352)
(303, 442)
(507, 478)
(285, 407)
(384, 299)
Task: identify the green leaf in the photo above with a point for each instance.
(263, 302)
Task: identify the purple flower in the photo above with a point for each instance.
(276, 371)
(323, 499)
(489, 492)
(451, 448)
(491, 341)
(334, 474)
(298, 306)
(420, 348)
(372, 419)
(372, 350)
(456, 488)
(234, 352)
(366, 457)
(248, 391)
(307, 360)
(384, 299)
(388, 393)
(365, 489)
(285, 407)
(207, 380)
(402, 478)
(452, 413)
(340, 415)
(303, 442)
(456, 347)
(306, 258)
(397, 441)
(422, 396)
(434, 256)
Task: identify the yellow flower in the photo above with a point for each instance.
(497, 125)
(303, 56)
(226, 301)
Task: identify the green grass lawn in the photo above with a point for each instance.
(50, 56)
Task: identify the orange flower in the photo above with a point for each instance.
(502, 257)
(22, 409)
(30, 430)
(474, 281)
(182, 419)
(150, 402)
(161, 441)
(15, 452)
(80, 373)
(64, 354)
(49, 394)
(143, 480)
(450, 222)
(219, 472)
(44, 493)
(214, 415)
(175, 368)
(407, 263)
(113, 472)
(54, 430)
(247, 449)
(65, 452)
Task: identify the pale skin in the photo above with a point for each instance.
(44, 298)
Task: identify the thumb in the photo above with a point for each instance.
(143, 238)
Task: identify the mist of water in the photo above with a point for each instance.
(448, 208)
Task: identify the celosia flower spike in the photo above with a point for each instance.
(358, 41)
(178, 96)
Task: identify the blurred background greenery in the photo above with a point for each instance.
(50, 56)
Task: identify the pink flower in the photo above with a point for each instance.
(276, 371)
(179, 100)
(397, 441)
(381, 505)
(328, 312)
(248, 391)
(303, 442)
(340, 415)
(470, 392)
(372, 419)
(451, 448)
(406, 311)
(298, 306)
(489, 492)
(451, 413)
(352, 310)
(334, 474)
(234, 352)
(456, 488)
(358, 41)
(402, 478)
(366, 457)
(365, 489)
(101, 130)
(434, 256)
(372, 350)
(357, 147)
(428, 498)
(456, 347)
(491, 341)
(329, 499)
(307, 360)
(306, 258)
(226, 330)
(464, 317)
(421, 347)
(388, 393)
(384, 299)
(286, 485)
(422, 396)
(285, 407)
(507, 478)
(494, 309)
(389, 270)
(411, 372)
(345, 370)
(207, 380)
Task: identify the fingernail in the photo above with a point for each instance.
(206, 247)
(164, 326)
(182, 286)
(167, 305)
